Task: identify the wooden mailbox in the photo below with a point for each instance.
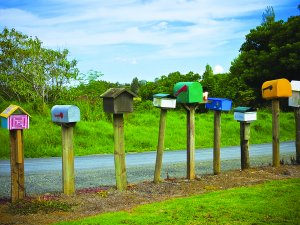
(221, 104)
(164, 101)
(118, 100)
(279, 88)
(245, 114)
(188, 92)
(294, 100)
(65, 114)
(14, 118)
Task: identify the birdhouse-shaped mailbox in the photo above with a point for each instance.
(164, 101)
(14, 118)
(188, 92)
(294, 100)
(65, 114)
(221, 104)
(245, 114)
(279, 88)
(118, 100)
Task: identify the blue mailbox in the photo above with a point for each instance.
(65, 114)
(221, 104)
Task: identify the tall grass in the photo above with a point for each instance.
(94, 134)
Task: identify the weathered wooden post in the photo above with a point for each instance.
(66, 116)
(245, 115)
(273, 90)
(15, 119)
(218, 105)
(164, 102)
(118, 101)
(189, 94)
(294, 101)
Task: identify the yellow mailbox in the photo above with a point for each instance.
(279, 88)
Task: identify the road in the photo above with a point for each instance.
(44, 174)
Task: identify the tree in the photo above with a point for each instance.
(31, 73)
(135, 85)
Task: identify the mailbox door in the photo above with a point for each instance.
(18, 122)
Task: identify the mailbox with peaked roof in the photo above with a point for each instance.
(221, 104)
(164, 101)
(245, 114)
(294, 100)
(118, 100)
(188, 92)
(279, 88)
(65, 114)
(14, 118)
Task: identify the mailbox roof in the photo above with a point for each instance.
(115, 92)
(11, 109)
(163, 96)
(245, 109)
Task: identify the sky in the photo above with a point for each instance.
(124, 39)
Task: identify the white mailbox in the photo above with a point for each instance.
(294, 100)
(245, 114)
(65, 114)
(164, 101)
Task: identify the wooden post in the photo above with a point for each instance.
(17, 165)
(160, 146)
(217, 141)
(119, 152)
(297, 122)
(190, 141)
(244, 139)
(67, 160)
(275, 128)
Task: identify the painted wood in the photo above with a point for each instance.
(161, 145)
(275, 132)
(297, 122)
(17, 165)
(217, 142)
(67, 160)
(119, 152)
(244, 140)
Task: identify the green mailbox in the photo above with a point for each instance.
(188, 92)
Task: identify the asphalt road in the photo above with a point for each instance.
(43, 175)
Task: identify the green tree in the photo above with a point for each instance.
(31, 73)
(135, 85)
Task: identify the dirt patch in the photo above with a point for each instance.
(92, 201)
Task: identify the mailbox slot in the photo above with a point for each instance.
(221, 104)
(245, 114)
(294, 100)
(164, 101)
(188, 92)
(65, 114)
(276, 89)
(14, 118)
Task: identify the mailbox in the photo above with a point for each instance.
(188, 92)
(14, 118)
(245, 114)
(294, 100)
(65, 114)
(164, 101)
(276, 89)
(221, 104)
(118, 100)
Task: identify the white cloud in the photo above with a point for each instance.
(218, 69)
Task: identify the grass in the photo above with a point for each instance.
(95, 136)
(274, 202)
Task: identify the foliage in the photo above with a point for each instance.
(31, 73)
(135, 85)
(274, 202)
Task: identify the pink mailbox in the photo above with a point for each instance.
(14, 118)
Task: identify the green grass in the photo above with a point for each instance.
(95, 136)
(274, 202)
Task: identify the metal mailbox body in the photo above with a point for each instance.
(294, 100)
(118, 100)
(245, 114)
(65, 114)
(164, 101)
(188, 92)
(279, 88)
(14, 118)
(221, 104)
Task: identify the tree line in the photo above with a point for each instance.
(31, 73)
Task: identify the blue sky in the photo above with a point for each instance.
(142, 38)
